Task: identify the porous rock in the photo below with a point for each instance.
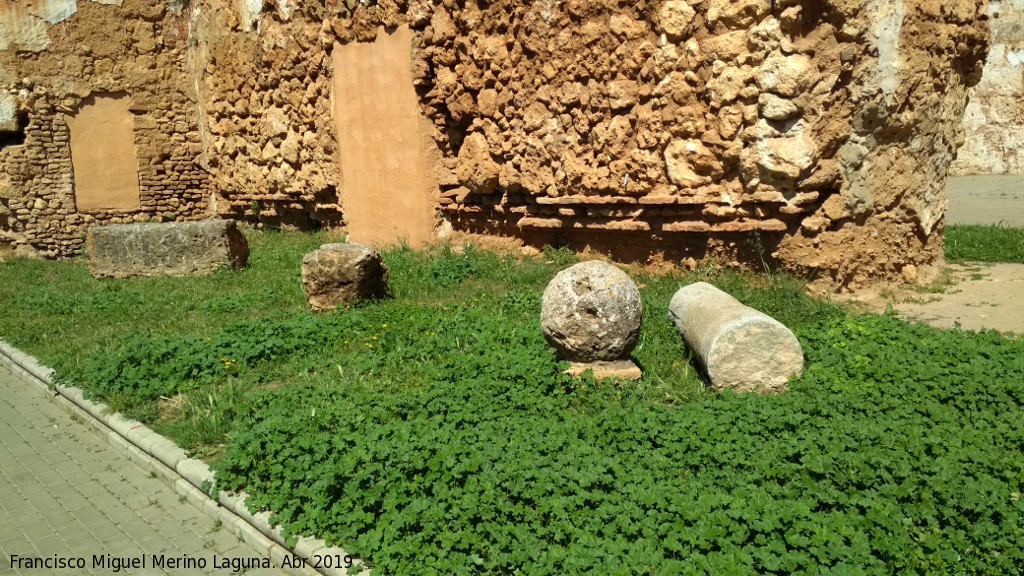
(741, 348)
(165, 248)
(338, 273)
(591, 312)
(476, 170)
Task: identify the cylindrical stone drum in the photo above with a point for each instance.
(740, 348)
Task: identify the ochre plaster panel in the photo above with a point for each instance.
(388, 189)
(103, 155)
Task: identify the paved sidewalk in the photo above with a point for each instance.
(66, 493)
(986, 200)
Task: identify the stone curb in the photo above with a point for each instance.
(171, 464)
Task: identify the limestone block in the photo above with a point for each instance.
(291, 147)
(775, 108)
(687, 162)
(725, 47)
(591, 312)
(275, 122)
(783, 160)
(736, 13)
(623, 25)
(476, 170)
(165, 249)
(8, 113)
(675, 18)
(787, 75)
(622, 94)
(741, 349)
(726, 87)
(766, 35)
(338, 273)
(621, 369)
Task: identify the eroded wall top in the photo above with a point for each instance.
(994, 120)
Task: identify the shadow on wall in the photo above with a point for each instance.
(296, 214)
(13, 132)
(751, 250)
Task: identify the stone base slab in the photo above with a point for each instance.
(621, 369)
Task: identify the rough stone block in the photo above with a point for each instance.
(8, 113)
(338, 273)
(165, 249)
(740, 348)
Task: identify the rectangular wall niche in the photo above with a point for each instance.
(103, 155)
(388, 188)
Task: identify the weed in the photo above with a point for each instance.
(755, 242)
(560, 257)
(885, 419)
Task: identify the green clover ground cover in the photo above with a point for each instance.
(433, 433)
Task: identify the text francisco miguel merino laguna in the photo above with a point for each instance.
(117, 563)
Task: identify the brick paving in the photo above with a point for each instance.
(66, 493)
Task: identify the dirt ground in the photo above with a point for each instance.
(973, 295)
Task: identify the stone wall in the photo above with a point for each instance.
(817, 134)
(994, 120)
(266, 98)
(55, 57)
(813, 136)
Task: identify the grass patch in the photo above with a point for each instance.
(985, 243)
(434, 432)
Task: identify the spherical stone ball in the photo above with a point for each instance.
(591, 311)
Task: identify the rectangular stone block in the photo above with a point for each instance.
(165, 249)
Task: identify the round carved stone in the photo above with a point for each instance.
(591, 311)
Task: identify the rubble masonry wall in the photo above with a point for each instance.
(814, 136)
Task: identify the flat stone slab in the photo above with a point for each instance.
(621, 369)
(165, 249)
